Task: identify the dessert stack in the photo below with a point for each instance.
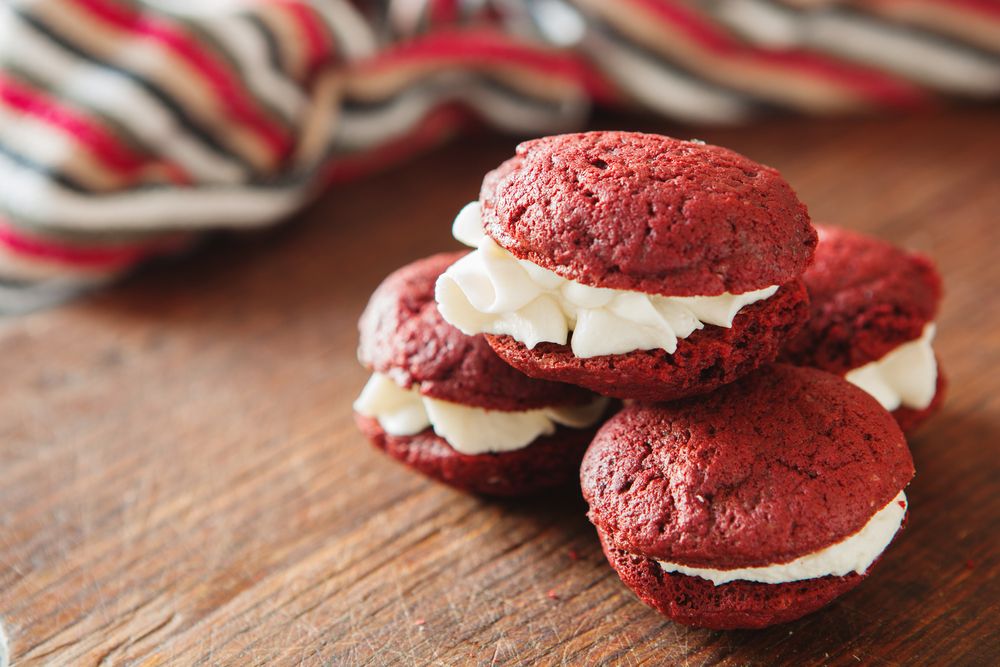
(618, 320)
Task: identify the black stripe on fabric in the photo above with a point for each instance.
(882, 22)
(284, 182)
(755, 104)
(239, 72)
(483, 79)
(176, 110)
(922, 34)
(495, 84)
(87, 237)
(235, 68)
(273, 50)
(45, 171)
(192, 28)
(123, 134)
(476, 80)
(19, 297)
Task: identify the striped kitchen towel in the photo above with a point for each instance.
(129, 127)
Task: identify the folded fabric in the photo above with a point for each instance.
(129, 127)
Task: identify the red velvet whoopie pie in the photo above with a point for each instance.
(750, 506)
(446, 405)
(873, 309)
(635, 265)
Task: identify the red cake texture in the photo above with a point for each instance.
(780, 464)
(549, 462)
(648, 213)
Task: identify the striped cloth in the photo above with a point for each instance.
(128, 127)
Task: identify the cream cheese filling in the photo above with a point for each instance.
(469, 430)
(491, 291)
(854, 554)
(906, 377)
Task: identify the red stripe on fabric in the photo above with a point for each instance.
(317, 42)
(435, 128)
(991, 7)
(444, 11)
(489, 46)
(97, 139)
(236, 99)
(874, 84)
(94, 257)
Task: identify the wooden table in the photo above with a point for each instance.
(182, 482)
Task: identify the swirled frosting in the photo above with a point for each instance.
(907, 376)
(491, 291)
(467, 429)
(853, 554)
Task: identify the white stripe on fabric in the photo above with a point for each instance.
(352, 32)
(113, 96)
(405, 17)
(29, 195)
(922, 60)
(247, 47)
(866, 40)
(560, 24)
(18, 299)
(515, 115)
(661, 89)
(359, 130)
(37, 140)
(199, 8)
(759, 22)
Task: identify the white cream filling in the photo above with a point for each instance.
(467, 429)
(854, 554)
(907, 376)
(491, 291)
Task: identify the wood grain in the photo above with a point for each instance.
(181, 482)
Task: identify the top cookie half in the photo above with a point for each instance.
(648, 213)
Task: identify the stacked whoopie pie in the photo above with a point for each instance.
(873, 309)
(443, 403)
(638, 266)
(730, 491)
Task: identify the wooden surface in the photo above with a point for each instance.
(181, 481)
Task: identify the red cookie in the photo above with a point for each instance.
(706, 360)
(648, 213)
(782, 465)
(403, 338)
(868, 298)
(739, 604)
(549, 462)
(652, 216)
